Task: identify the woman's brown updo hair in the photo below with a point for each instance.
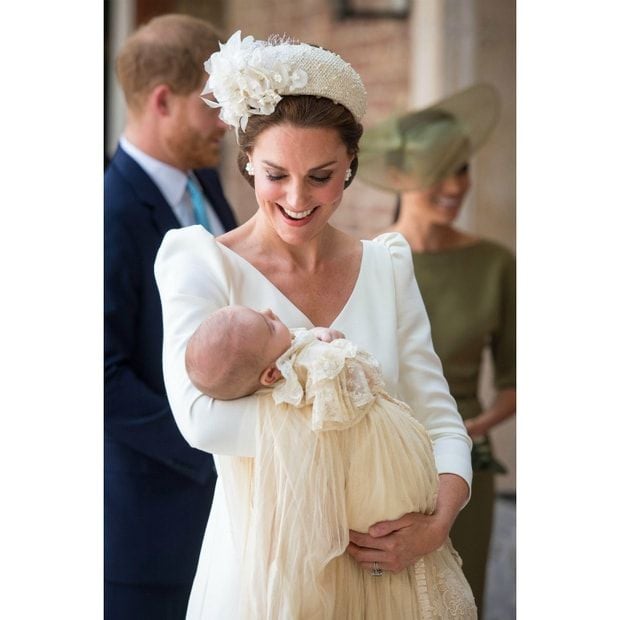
(302, 111)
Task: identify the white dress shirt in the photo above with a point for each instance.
(172, 183)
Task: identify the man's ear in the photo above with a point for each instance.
(270, 375)
(160, 99)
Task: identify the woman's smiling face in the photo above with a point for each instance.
(442, 202)
(299, 177)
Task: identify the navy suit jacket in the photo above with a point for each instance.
(157, 489)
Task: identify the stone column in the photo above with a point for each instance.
(122, 20)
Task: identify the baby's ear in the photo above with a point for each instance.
(269, 376)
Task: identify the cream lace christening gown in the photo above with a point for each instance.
(335, 452)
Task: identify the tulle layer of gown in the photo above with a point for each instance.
(335, 452)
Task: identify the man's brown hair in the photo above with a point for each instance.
(169, 49)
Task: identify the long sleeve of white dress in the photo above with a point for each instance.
(422, 384)
(194, 281)
(384, 315)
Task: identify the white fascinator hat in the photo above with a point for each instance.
(248, 77)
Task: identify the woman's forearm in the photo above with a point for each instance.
(225, 427)
(504, 406)
(452, 496)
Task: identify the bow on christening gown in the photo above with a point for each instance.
(335, 452)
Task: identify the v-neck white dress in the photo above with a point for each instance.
(384, 315)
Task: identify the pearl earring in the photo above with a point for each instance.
(249, 168)
(347, 175)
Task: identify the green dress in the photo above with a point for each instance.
(469, 294)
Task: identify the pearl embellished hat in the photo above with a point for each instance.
(248, 77)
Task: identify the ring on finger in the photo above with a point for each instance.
(376, 571)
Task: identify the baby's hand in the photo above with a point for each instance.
(326, 334)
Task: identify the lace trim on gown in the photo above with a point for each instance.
(337, 380)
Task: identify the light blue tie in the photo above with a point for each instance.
(199, 205)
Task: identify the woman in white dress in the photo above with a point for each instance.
(297, 111)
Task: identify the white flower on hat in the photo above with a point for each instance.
(247, 78)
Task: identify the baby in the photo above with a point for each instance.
(334, 451)
(233, 352)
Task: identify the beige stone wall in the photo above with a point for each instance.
(495, 206)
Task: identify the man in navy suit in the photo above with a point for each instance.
(158, 490)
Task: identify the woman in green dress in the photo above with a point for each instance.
(467, 283)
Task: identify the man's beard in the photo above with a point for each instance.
(192, 150)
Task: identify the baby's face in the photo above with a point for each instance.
(273, 336)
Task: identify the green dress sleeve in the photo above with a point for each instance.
(503, 338)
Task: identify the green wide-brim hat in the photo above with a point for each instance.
(416, 150)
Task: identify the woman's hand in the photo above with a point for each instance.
(504, 406)
(477, 427)
(396, 545)
(327, 334)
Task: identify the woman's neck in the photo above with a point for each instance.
(424, 235)
(259, 243)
